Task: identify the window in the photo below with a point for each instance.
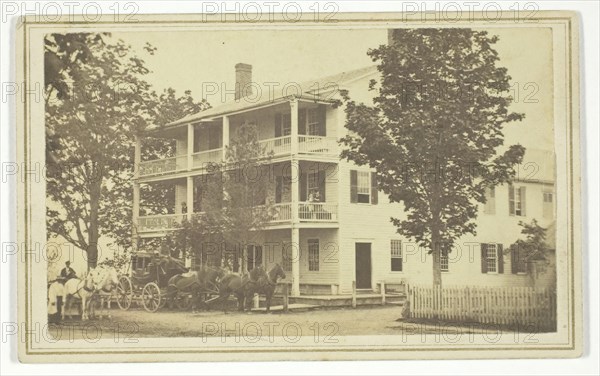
(363, 187)
(287, 257)
(254, 254)
(283, 185)
(313, 124)
(492, 259)
(516, 200)
(444, 261)
(490, 201)
(396, 255)
(286, 125)
(548, 208)
(215, 137)
(313, 255)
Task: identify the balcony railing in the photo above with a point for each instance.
(163, 222)
(201, 159)
(317, 145)
(282, 213)
(317, 212)
(163, 166)
(278, 146)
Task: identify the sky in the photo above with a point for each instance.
(184, 60)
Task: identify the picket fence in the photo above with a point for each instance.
(524, 306)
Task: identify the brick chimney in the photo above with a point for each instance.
(243, 80)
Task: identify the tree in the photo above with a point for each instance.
(434, 132)
(246, 206)
(534, 246)
(202, 236)
(92, 140)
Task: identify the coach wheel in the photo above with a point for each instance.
(151, 297)
(124, 293)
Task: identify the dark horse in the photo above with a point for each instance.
(198, 284)
(257, 281)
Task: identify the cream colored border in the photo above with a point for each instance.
(31, 203)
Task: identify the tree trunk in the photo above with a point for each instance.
(436, 255)
(93, 233)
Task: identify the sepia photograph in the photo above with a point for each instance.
(371, 188)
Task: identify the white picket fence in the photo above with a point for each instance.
(487, 305)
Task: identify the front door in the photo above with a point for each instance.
(363, 265)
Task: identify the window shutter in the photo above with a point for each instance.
(302, 121)
(353, 186)
(511, 200)
(374, 193)
(514, 259)
(483, 257)
(322, 120)
(303, 182)
(500, 252)
(278, 125)
(322, 184)
(523, 203)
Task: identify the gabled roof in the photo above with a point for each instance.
(312, 89)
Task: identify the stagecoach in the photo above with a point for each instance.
(156, 280)
(147, 282)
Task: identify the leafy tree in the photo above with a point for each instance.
(91, 136)
(246, 207)
(434, 134)
(534, 246)
(202, 236)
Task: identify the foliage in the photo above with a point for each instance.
(434, 133)
(534, 246)
(91, 135)
(235, 207)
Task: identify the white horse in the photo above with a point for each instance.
(79, 289)
(106, 280)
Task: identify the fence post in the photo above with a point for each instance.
(286, 297)
(353, 294)
(382, 292)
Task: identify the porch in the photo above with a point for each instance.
(308, 212)
(295, 127)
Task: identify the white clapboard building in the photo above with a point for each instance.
(345, 235)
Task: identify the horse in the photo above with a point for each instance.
(106, 281)
(196, 283)
(81, 289)
(257, 281)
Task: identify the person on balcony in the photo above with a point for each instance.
(313, 197)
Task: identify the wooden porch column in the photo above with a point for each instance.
(190, 197)
(190, 147)
(295, 192)
(295, 261)
(225, 136)
(294, 126)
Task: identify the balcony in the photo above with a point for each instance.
(163, 166)
(201, 159)
(279, 147)
(164, 222)
(317, 145)
(308, 212)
